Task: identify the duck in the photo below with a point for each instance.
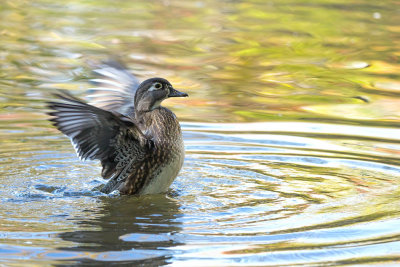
(138, 142)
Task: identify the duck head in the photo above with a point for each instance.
(152, 92)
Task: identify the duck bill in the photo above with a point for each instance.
(175, 93)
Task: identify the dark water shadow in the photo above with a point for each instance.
(127, 230)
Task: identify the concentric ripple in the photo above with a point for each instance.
(287, 193)
(249, 194)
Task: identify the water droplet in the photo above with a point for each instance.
(377, 15)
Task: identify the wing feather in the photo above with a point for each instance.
(115, 88)
(95, 133)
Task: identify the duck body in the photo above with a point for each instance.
(138, 142)
(162, 160)
(168, 154)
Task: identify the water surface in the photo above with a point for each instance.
(291, 132)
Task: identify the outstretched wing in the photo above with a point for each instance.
(99, 134)
(115, 88)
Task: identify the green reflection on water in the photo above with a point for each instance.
(240, 60)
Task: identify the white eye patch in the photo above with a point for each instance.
(156, 86)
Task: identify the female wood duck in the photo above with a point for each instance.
(138, 142)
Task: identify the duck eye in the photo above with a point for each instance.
(158, 85)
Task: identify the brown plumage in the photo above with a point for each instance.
(138, 142)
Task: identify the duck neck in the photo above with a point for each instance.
(144, 119)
